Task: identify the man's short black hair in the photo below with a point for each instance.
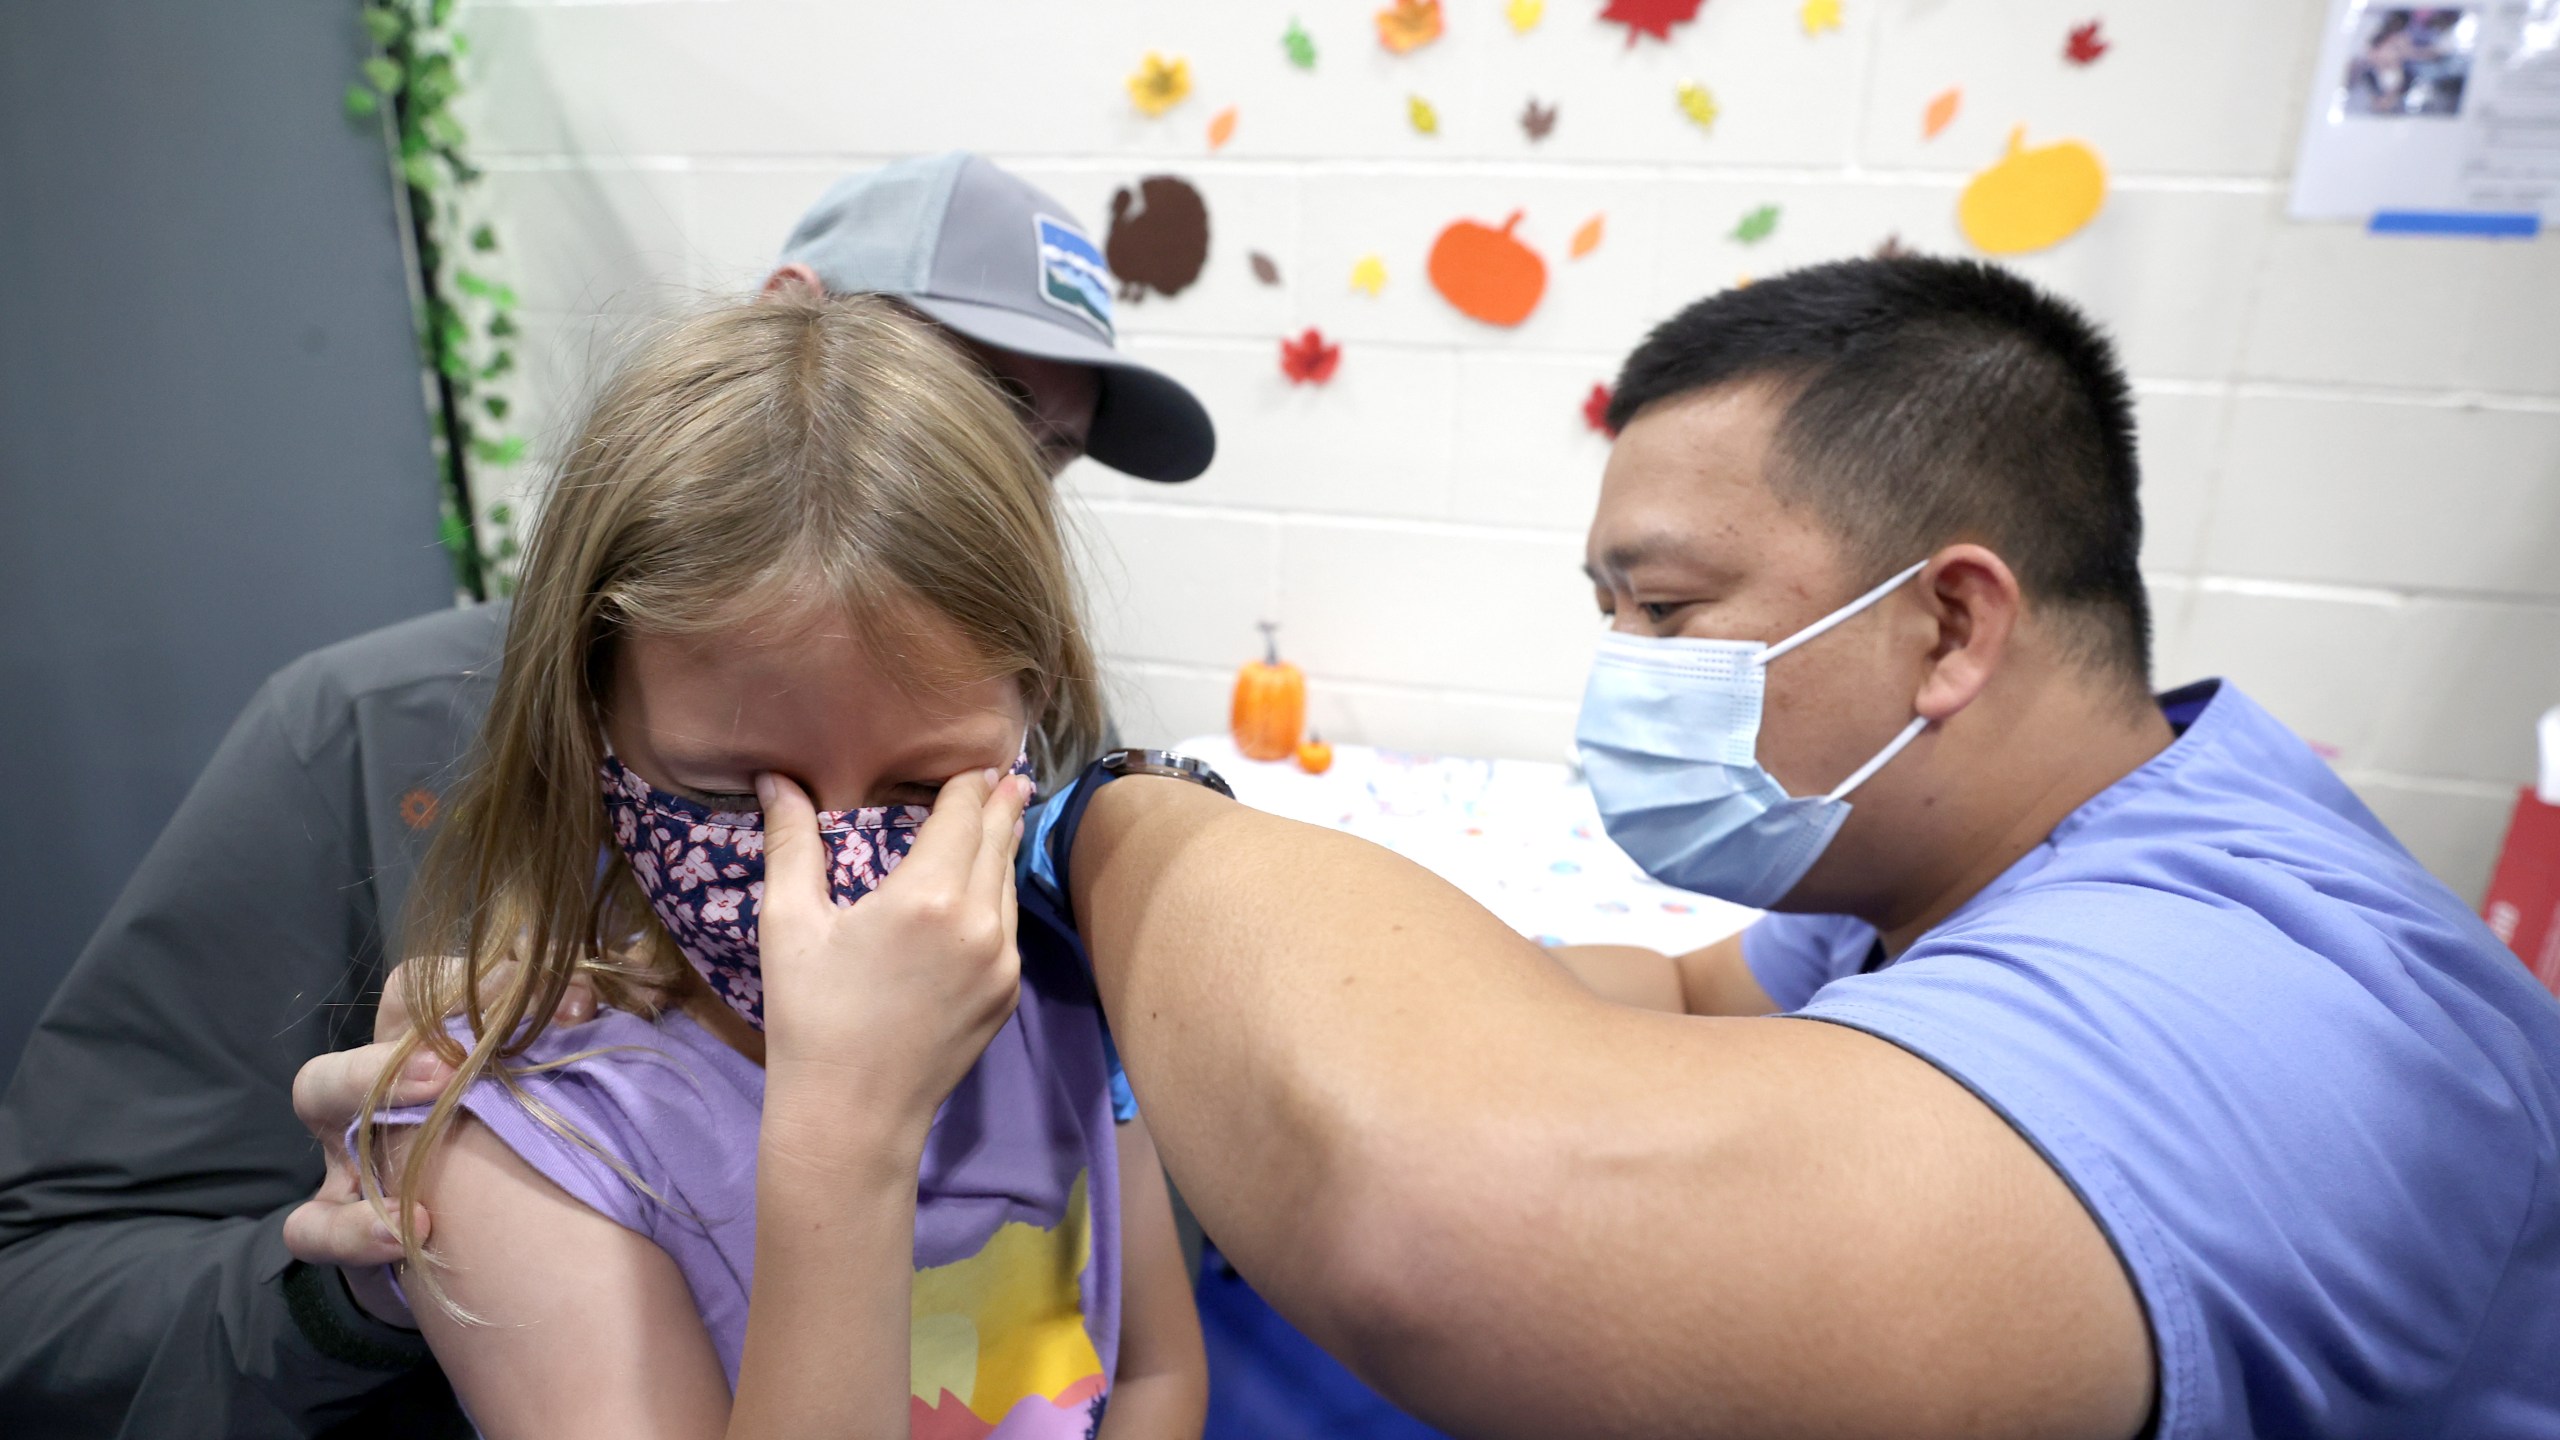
(1933, 401)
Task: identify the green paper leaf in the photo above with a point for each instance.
(502, 327)
(421, 173)
(498, 452)
(384, 24)
(483, 238)
(383, 74)
(1757, 226)
(1300, 45)
(496, 405)
(362, 104)
(502, 514)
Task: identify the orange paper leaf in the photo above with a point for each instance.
(1408, 25)
(1222, 129)
(1941, 112)
(1587, 239)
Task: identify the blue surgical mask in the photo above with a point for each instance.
(1670, 740)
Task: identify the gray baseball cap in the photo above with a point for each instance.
(1007, 266)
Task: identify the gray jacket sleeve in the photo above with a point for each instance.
(148, 1146)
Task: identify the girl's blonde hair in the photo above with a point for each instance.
(751, 461)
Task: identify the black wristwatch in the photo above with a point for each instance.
(1116, 763)
(1058, 836)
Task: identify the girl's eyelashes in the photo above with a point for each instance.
(721, 799)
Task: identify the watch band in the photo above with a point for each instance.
(1167, 763)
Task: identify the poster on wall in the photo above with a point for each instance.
(2442, 118)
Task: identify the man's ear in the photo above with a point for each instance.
(795, 278)
(1974, 598)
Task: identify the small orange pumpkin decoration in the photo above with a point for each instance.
(1315, 754)
(1486, 273)
(1270, 709)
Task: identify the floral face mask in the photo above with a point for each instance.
(703, 870)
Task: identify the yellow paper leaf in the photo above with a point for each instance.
(1369, 274)
(1424, 118)
(1819, 15)
(1524, 15)
(2032, 199)
(1699, 104)
(1587, 239)
(1160, 83)
(1942, 112)
(1222, 129)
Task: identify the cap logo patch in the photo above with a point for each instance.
(1072, 273)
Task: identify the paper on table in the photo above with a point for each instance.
(1521, 838)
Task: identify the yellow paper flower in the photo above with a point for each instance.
(1524, 15)
(1819, 15)
(1699, 104)
(1424, 118)
(1369, 275)
(1160, 83)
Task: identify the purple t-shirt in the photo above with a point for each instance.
(1017, 1287)
(2311, 1100)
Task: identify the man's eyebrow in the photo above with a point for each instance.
(1626, 555)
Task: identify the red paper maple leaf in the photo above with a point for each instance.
(1651, 17)
(1307, 360)
(2085, 45)
(1595, 411)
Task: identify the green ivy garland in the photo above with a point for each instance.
(466, 321)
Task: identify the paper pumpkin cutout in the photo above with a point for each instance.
(1537, 121)
(1699, 104)
(1265, 269)
(1586, 239)
(1223, 128)
(1425, 120)
(1408, 25)
(1650, 17)
(1524, 15)
(1369, 274)
(1819, 15)
(1301, 46)
(1595, 410)
(1159, 237)
(1160, 83)
(1486, 272)
(1941, 112)
(2032, 199)
(1757, 226)
(2085, 45)
(1308, 360)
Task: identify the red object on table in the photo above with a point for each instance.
(2523, 906)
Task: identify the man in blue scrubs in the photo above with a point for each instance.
(2106, 1068)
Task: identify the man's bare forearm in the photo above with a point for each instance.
(1523, 1210)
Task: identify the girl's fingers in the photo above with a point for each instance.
(945, 852)
(795, 863)
(1011, 910)
(999, 827)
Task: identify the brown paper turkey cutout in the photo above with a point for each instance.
(1159, 236)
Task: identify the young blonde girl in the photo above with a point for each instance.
(794, 629)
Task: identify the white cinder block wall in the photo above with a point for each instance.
(2351, 445)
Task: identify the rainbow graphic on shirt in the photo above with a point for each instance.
(998, 1344)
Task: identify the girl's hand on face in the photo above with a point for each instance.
(878, 1009)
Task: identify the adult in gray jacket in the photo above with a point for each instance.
(155, 1186)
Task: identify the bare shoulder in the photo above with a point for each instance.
(569, 1324)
